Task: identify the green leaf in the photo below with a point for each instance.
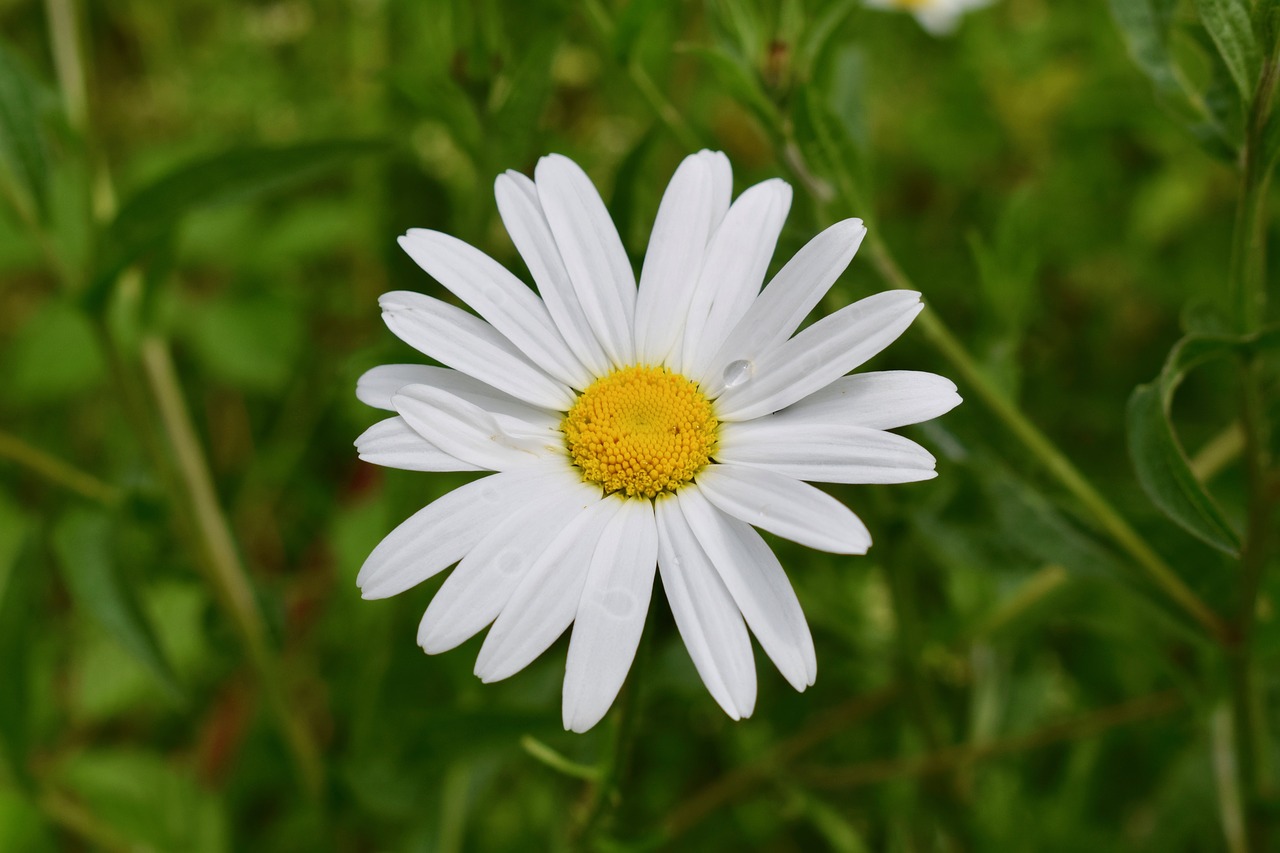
(827, 140)
(1230, 27)
(52, 357)
(631, 24)
(251, 343)
(151, 216)
(1145, 26)
(23, 149)
(150, 800)
(819, 35)
(1158, 457)
(22, 828)
(83, 544)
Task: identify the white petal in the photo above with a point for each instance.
(611, 615)
(470, 433)
(820, 354)
(788, 298)
(758, 585)
(886, 399)
(476, 591)
(592, 253)
(824, 453)
(545, 602)
(709, 622)
(467, 343)
(378, 385)
(737, 260)
(522, 214)
(673, 260)
(392, 443)
(499, 297)
(722, 183)
(784, 507)
(440, 534)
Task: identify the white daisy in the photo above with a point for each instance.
(938, 17)
(635, 429)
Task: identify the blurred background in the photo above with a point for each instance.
(201, 206)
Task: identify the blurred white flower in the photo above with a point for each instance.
(636, 430)
(939, 17)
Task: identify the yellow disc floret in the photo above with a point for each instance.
(640, 431)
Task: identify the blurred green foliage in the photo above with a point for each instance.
(224, 192)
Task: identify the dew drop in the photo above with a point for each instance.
(738, 373)
(618, 603)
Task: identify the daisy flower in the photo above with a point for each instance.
(938, 17)
(636, 430)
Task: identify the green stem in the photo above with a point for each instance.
(954, 757)
(1248, 291)
(227, 573)
(55, 470)
(64, 37)
(1050, 457)
(187, 478)
(921, 702)
(79, 821)
(606, 790)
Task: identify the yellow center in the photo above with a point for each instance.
(640, 431)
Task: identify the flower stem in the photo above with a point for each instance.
(227, 573)
(56, 471)
(606, 789)
(1248, 302)
(1053, 460)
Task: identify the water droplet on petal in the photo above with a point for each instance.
(737, 373)
(618, 603)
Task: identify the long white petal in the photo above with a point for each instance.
(722, 183)
(476, 591)
(470, 433)
(824, 453)
(785, 507)
(467, 343)
(499, 297)
(592, 253)
(392, 443)
(673, 261)
(441, 533)
(758, 585)
(379, 384)
(885, 399)
(545, 602)
(737, 260)
(786, 300)
(708, 620)
(522, 214)
(820, 354)
(611, 614)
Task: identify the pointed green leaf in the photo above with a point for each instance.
(1158, 457)
(1230, 27)
(1145, 27)
(83, 544)
(151, 216)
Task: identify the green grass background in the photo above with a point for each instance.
(993, 675)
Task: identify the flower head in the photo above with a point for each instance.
(939, 17)
(636, 430)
